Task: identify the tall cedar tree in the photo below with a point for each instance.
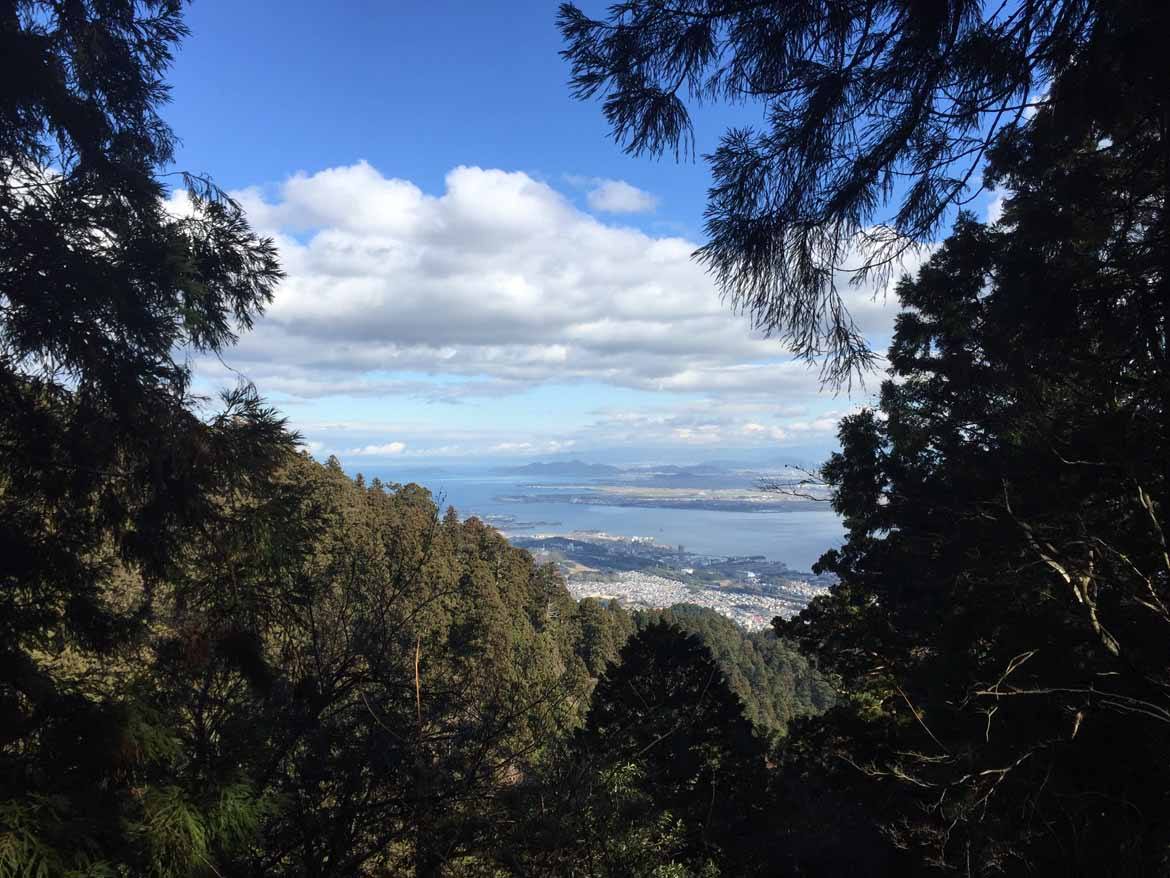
(666, 778)
(105, 469)
(1002, 617)
(667, 707)
(409, 670)
(877, 115)
(775, 683)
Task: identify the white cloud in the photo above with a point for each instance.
(825, 424)
(552, 446)
(498, 279)
(711, 421)
(760, 431)
(995, 206)
(388, 449)
(700, 434)
(701, 424)
(618, 196)
(496, 285)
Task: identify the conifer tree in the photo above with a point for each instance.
(666, 777)
(876, 117)
(1001, 619)
(107, 463)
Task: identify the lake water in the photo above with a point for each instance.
(796, 537)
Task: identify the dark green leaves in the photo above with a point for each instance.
(876, 119)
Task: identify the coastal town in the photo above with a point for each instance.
(645, 591)
(641, 573)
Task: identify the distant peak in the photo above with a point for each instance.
(563, 468)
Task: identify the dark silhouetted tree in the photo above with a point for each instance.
(877, 115)
(107, 466)
(771, 678)
(666, 778)
(1001, 621)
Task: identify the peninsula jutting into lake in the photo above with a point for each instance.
(642, 573)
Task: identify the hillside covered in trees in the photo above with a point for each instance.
(332, 678)
(773, 681)
(220, 657)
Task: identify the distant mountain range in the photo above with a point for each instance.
(708, 475)
(699, 469)
(570, 468)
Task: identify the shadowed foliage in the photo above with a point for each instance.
(775, 683)
(1002, 615)
(665, 779)
(107, 471)
(876, 118)
(220, 657)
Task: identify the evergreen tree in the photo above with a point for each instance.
(605, 628)
(665, 779)
(386, 682)
(107, 466)
(775, 683)
(877, 115)
(1001, 619)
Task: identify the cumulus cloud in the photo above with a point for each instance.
(824, 424)
(618, 196)
(757, 431)
(387, 449)
(995, 205)
(701, 424)
(700, 434)
(493, 286)
(552, 446)
(713, 422)
(499, 279)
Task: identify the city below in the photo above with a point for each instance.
(642, 573)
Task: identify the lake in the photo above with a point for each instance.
(797, 536)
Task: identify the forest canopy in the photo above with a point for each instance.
(219, 656)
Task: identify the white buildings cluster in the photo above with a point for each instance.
(644, 591)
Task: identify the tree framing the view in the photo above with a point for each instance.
(878, 115)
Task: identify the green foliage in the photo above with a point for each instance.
(377, 677)
(108, 472)
(667, 710)
(604, 629)
(220, 657)
(1001, 619)
(173, 832)
(774, 682)
(627, 833)
(876, 114)
(665, 778)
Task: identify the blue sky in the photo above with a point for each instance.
(475, 270)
